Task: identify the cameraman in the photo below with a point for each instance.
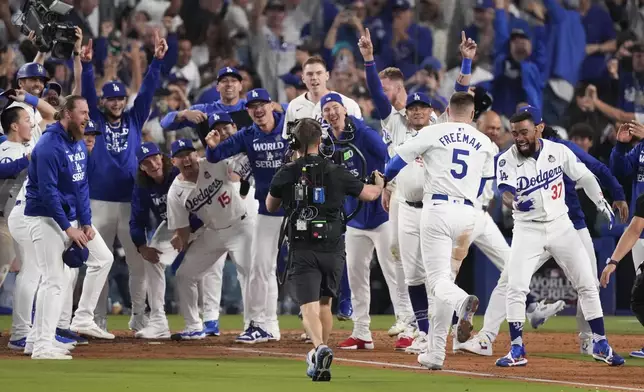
(318, 257)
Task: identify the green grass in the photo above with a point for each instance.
(260, 374)
(614, 325)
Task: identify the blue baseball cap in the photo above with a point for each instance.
(400, 5)
(55, 86)
(177, 77)
(331, 97)
(257, 95)
(75, 256)
(483, 4)
(145, 150)
(180, 146)
(114, 89)
(219, 118)
(229, 71)
(90, 128)
(418, 98)
(518, 33)
(290, 79)
(439, 104)
(534, 112)
(431, 63)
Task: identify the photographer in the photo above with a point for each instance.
(316, 231)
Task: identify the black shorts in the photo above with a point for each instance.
(315, 274)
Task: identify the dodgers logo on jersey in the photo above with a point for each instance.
(204, 197)
(6, 160)
(527, 185)
(206, 175)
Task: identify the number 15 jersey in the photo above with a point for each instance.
(538, 181)
(213, 198)
(456, 156)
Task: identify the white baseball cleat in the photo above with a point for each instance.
(399, 327)
(138, 322)
(51, 355)
(153, 332)
(419, 344)
(479, 345)
(92, 330)
(586, 346)
(544, 311)
(425, 359)
(29, 349)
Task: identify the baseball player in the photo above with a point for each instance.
(481, 344)
(229, 86)
(530, 177)
(263, 144)
(205, 190)
(398, 128)
(112, 166)
(57, 214)
(368, 229)
(457, 159)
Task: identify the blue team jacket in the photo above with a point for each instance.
(168, 124)
(629, 164)
(152, 199)
(265, 153)
(603, 174)
(374, 149)
(112, 164)
(57, 186)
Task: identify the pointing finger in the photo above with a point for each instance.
(463, 36)
(367, 34)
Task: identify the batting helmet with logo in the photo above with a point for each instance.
(32, 70)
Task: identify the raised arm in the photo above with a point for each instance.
(78, 64)
(501, 29)
(624, 163)
(380, 100)
(232, 146)
(88, 87)
(141, 108)
(468, 51)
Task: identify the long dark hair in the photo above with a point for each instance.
(145, 181)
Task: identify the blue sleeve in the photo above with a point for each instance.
(47, 171)
(100, 53)
(327, 56)
(556, 13)
(83, 208)
(425, 44)
(88, 91)
(506, 188)
(141, 107)
(501, 33)
(13, 168)
(232, 146)
(195, 223)
(623, 163)
(539, 56)
(600, 171)
(383, 106)
(461, 88)
(172, 55)
(168, 121)
(395, 165)
(139, 216)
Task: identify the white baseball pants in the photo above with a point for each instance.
(112, 219)
(202, 254)
(50, 242)
(209, 289)
(359, 247)
(406, 314)
(409, 219)
(561, 240)
(29, 277)
(263, 279)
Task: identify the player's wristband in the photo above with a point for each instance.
(369, 63)
(610, 261)
(31, 100)
(466, 67)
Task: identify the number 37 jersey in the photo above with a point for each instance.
(213, 198)
(538, 182)
(456, 156)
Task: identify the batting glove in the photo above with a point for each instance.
(607, 211)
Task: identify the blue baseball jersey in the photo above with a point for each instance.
(374, 149)
(168, 123)
(629, 163)
(112, 164)
(57, 184)
(265, 152)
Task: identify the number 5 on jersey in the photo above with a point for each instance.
(457, 159)
(224, 199)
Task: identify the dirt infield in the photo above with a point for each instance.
(125, 347)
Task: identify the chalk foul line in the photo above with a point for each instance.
(445, 371)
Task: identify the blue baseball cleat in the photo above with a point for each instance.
(211, 328)
(603, 352)
(66, 333)
(345, 310)
(253, 334)
(637, 353)
(516, 357)
(17, 345)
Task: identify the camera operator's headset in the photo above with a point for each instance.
(328, 145)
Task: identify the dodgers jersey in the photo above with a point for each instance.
(34, 117)
(13, 189)
(213, 198)
(488, 188)
(456, 156)
(538, 180)
(301, 107)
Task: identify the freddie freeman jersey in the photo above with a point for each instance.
(213, 198)
(455, 156)
(301, 107)
(539, 183)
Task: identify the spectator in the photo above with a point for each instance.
(482, 31)
(407, 45)
(582, 135)
(345, 31)
(78, 16)
(186, 67)
(431, 16)
(517, 66)
(600, 40)
(583, 110)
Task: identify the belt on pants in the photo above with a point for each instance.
(228, 227)
(415, 204)
(446, 198)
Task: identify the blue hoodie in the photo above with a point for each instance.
(265, 153)
(57, 181)
(374, 149)
(603, 174)
(152, 199)
(168, 124)
(112, 164)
